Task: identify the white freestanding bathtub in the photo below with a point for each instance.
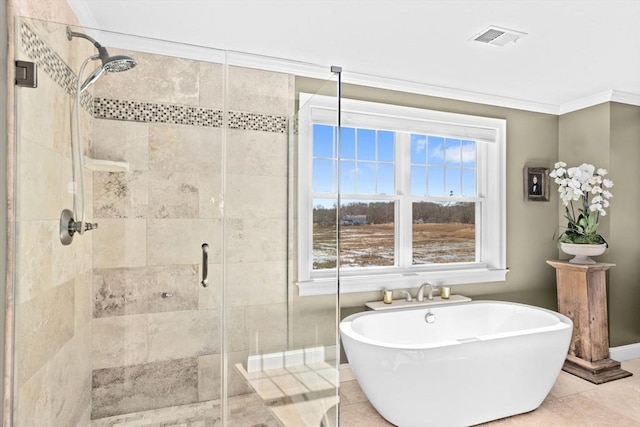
(456, 365)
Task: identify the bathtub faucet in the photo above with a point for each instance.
(420, 296)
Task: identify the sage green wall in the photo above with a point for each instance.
(584, 138)
(608, 135)
(532, 140)
(624, 279)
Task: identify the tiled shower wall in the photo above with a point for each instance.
(165, 118)
(53, 282)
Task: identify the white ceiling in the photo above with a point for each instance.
(576, 53)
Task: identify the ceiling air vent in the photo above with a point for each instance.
(498, 36)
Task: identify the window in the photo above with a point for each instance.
(421, 195)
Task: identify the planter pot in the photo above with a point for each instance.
(582, 253)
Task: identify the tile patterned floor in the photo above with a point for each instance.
(299, 397)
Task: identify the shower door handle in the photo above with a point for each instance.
(205, 265)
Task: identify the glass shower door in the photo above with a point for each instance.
(281, 358)
(116, 326)
(191, 169)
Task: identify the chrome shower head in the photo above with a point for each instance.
(118, 63)
(110, 64)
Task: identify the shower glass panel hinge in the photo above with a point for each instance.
(26, 74)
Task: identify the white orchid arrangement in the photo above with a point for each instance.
(587, 186)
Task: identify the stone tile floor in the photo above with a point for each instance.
(299, 398)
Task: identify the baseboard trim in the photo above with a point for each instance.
(625, 352)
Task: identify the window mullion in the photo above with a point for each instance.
(403, 245)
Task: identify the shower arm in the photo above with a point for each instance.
(72, 34)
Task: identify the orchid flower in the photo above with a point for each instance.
(586, 186)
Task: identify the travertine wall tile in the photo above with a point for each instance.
(184, 148)
(171, 195)
(71, 391)
(126, 291)
(155, 78)
(179, 241)
(44, 324)
(256, 240)
(210, 194)
(259, 91)
(253, 283)
(39, 181)
(120, 243)
(265, 154)
(254, 197)
(209, 377)
(34, 263)
(55, 394)
(236, 329)
(180, 334)
(82, 301)
(49, 106)
(118, 194)
(119, 341)
(156, 194)
(142, 387)
(211, 85)
(118, 140)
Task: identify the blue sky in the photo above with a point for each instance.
(439, 166)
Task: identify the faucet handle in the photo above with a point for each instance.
(408, 298)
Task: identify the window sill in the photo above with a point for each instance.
(378, 282)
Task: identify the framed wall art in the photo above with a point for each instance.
(536, 184)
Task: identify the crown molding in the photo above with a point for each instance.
(323, 72)
(599, 98)
(625, 97)
(448, 93)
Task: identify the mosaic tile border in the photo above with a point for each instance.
(105, 108)
(51, 63)
(259, 122)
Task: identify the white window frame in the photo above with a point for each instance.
(490, 137)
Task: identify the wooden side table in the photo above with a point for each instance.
(582, 297)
